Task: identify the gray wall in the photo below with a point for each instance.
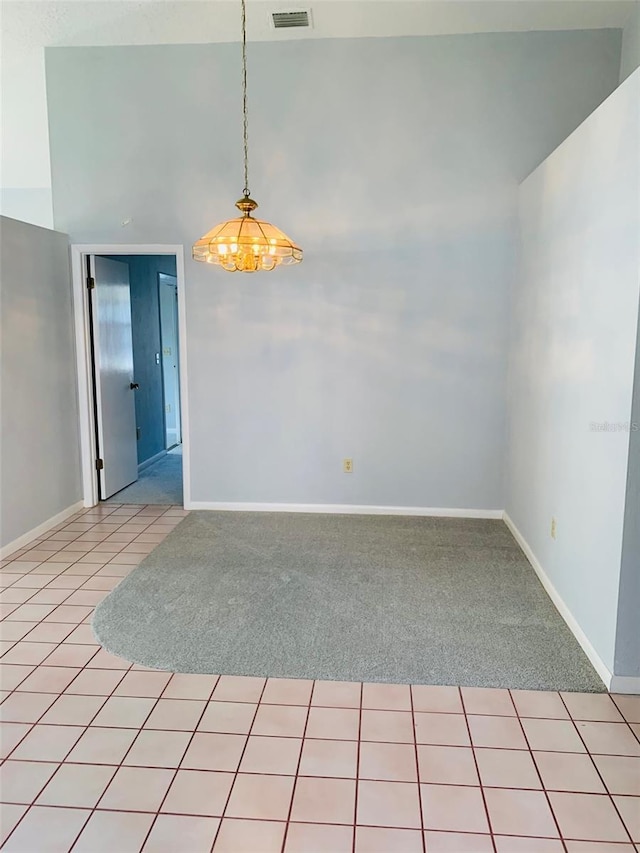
(627, 653)
(630, 53)
(575, 322)
(394, 163)
(39, 422)
(145, 327)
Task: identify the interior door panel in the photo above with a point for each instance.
(114, 380)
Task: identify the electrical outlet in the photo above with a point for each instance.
(347, 466)
(167, 408)
(553, 528)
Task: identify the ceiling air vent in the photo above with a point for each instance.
(282, 20)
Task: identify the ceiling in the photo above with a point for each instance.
(112, 22)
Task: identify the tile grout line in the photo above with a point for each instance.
(628, 723)
(289, 775)
(95, 519)
(188, 744)
(60, 764)
(95, 549)
(358, 754)
(97, 567)
(418, 778)
(117, 767)
(113, 810)
(597, 769)
(535, 764)
(475, 761)
(620, 844)
(115, 728)
(86, 728)
(63, 641)
(71, 593)
(237, 770)
(38, 720)
(296, 775)
(32, 728)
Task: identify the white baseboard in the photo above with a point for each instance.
(625, 684)
(598, 664)
(151, 460)
(345, 509)
(23, 540)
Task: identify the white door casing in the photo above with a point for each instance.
(86, 397)
(114, 379)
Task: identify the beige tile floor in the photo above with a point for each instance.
(102, 755)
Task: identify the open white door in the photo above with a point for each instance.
(113, 370)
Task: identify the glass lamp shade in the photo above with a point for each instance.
(246, 244)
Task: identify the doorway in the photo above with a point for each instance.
(129, 319)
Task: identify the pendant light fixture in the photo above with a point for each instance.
(246, 244)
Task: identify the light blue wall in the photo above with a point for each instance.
(27, 204)
(145, 328)
(575, 325)
(394, 163)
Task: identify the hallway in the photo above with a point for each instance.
(160, 483)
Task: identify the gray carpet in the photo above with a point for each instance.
(160, 483)
(357, 598)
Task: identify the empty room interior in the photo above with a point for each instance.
(320, 426)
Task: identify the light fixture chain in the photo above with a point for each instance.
(245, 121)
(245, 244)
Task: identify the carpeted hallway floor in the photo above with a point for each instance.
(353, 598)
(160, 483)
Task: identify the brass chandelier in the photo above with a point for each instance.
(246, 244)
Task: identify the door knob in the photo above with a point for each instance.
(134, 386)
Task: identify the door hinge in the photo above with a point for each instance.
(91, 282)
(99, 464)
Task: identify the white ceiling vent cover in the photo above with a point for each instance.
(297, 18)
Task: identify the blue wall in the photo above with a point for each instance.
(389, 343)
(145, 319)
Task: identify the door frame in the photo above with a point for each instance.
(84, 370)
